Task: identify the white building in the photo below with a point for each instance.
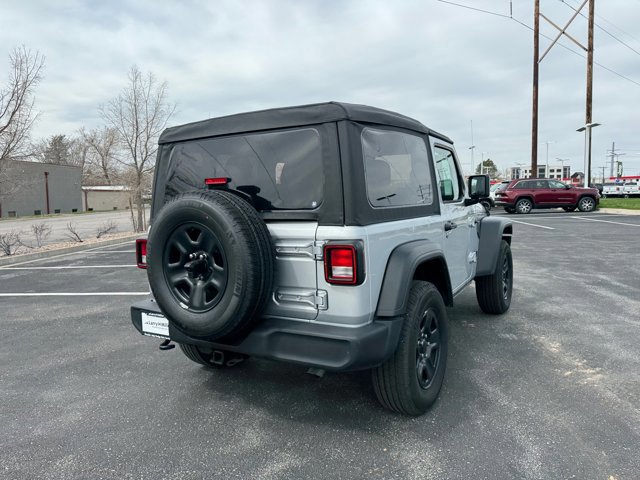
(555, 171)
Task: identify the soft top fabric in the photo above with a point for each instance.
(291, 117)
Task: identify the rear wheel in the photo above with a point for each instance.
(568, 209)
(409, 382)
(586, 204)
(509, 210)
(486, 204)
(494, 292)
(211, 264)
(524, 205)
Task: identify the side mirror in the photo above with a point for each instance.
(478, 186)
(567, 187)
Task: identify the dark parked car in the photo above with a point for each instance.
(523, 195)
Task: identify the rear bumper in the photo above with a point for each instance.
(324, 346)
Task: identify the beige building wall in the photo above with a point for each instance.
(98, 200)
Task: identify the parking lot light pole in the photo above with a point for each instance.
(587, 150)
(546, 169)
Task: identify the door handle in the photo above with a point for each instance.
(448, 226)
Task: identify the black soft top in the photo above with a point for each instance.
(291, 117)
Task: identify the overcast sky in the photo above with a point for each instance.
(441, 64)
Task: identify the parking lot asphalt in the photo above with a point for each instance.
(549, 390)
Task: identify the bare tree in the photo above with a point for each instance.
(16, 111)
(16, 102)
(72, 233)
(106, 228)
(10, 242)
(102, 144)
(41, 232)
(139, 114)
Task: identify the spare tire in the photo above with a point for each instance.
(210, 263)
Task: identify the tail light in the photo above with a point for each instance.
(343, 264)
(141, 252)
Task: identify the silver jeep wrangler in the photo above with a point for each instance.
(328, 235)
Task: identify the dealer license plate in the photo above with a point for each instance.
(155, 324)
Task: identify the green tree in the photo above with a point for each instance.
(487, 167)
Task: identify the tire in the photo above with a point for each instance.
(524, 206)
(509, 210)
(494, 292)
(568, 209)
(486, 204)
(586, 204)
(409, 382)
(203, 357)
(210, 264)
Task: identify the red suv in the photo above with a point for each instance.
(524, 194)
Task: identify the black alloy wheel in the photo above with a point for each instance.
(494, 291)
(196, 267)
(211, 264)
(428, 349)
(409, 381)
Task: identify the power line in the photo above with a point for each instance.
(474, 8)
(613, 25)
(578, 53)
(542, 35)
(605, 31)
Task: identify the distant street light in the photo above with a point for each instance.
(546, 171)
(587, 150)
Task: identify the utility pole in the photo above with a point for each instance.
(537, 58)
(534, 113)
(589, 104)
(613, 155)
(472, 148)
(603, 168)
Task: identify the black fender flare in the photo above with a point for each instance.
(491, 231)
(401, 268)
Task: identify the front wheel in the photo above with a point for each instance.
(409, 382)
(494, 291)
(586, 204)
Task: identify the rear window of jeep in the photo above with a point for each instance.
(279, 170)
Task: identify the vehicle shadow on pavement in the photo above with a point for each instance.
(348, 399)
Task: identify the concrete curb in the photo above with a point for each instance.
(619, 211)
(61, 251)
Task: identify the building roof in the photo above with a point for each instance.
(291, 117)
(106, 188)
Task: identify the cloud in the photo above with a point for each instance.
(441, 64)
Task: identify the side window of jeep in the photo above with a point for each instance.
(397, 168)
(447, 174)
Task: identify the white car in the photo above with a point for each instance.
(631, 189)
(612, 189)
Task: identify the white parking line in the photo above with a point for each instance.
(75, 294)
(533, 225)
(607, 221)
(67, 267)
